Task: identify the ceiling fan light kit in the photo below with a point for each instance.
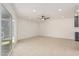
(44, 18)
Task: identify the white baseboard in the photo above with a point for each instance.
(57, 37)
(28, 38)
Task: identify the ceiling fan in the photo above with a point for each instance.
(44, 18)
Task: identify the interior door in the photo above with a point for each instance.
(6, 32)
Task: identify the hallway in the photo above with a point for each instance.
(46, 46)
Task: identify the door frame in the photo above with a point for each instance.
(0, 29)
(1, 5)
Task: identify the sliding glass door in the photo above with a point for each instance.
(5, 31)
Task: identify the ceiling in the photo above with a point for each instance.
(34, 11)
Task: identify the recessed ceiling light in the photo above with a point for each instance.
(59, 9)
(34, 10)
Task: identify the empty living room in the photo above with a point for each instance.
(39, 29)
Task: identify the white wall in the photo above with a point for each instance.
(22, 28)
(27, 29)
(59, 28)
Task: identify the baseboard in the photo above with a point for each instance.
(57, 37)
(28, 38)
(46, 36)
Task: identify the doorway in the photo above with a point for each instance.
(5, 31)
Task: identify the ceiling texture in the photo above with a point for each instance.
(34, 11)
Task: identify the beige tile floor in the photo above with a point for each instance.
(46, 46)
